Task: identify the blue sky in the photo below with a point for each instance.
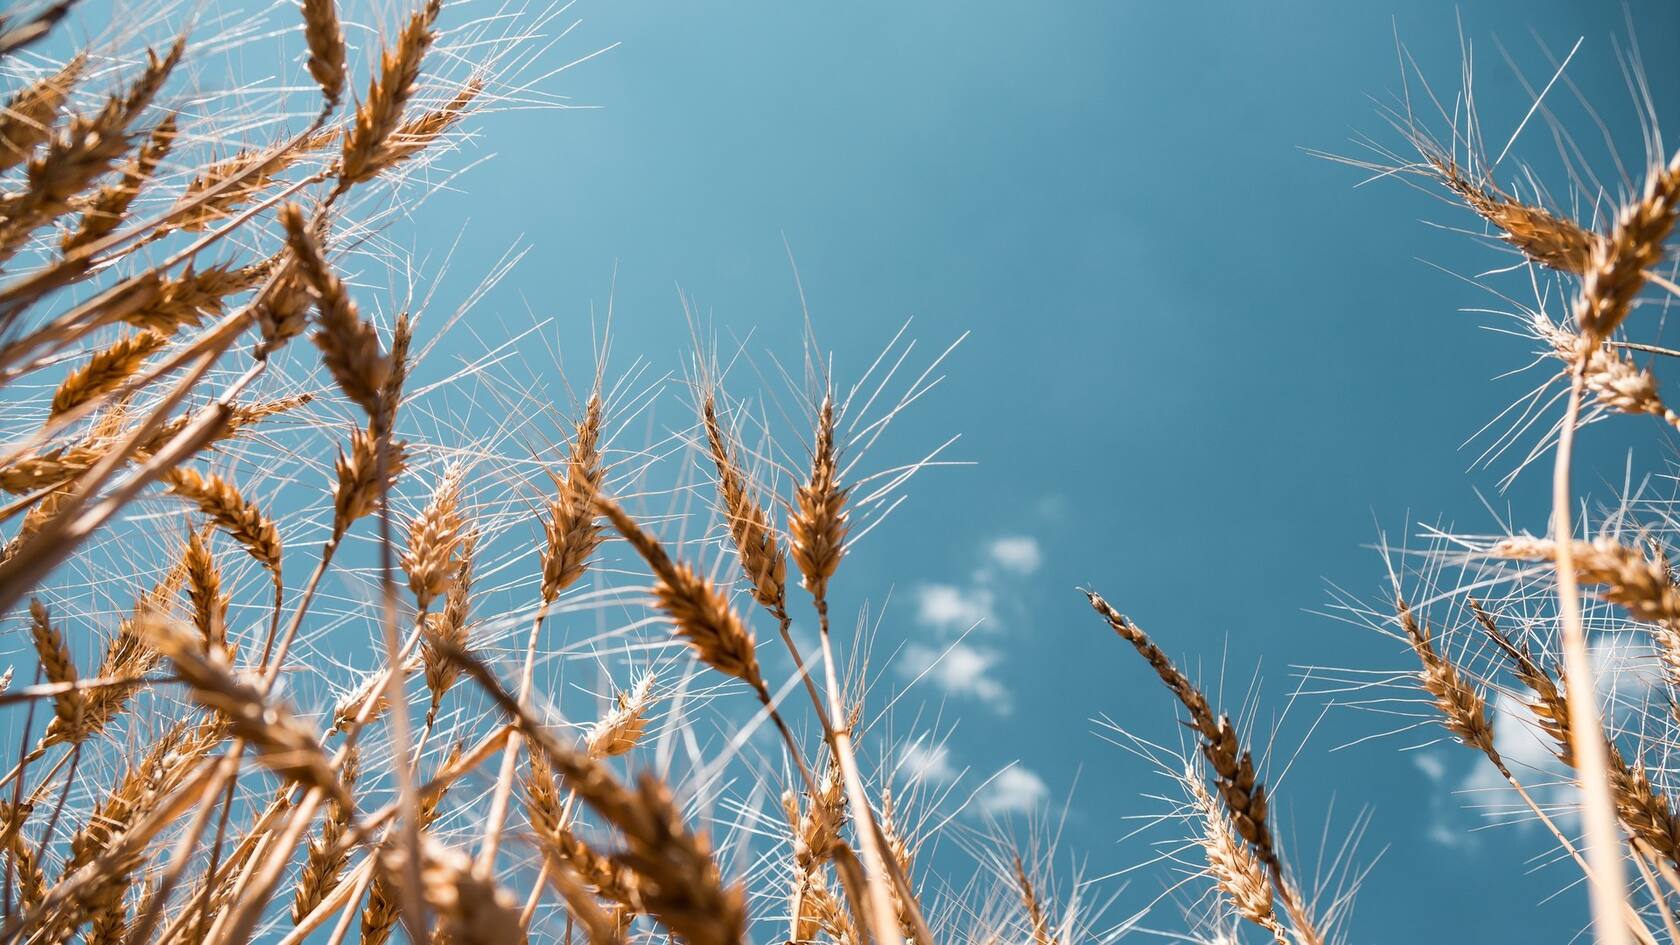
(1204, 369)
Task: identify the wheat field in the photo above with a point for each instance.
(285, 633)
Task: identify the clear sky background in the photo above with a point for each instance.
(1205, 368)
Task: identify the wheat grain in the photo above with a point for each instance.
(282, 742)
(1231, 863)
(1240, 790)
(571, 532)
(109, 206)
(1463, 709)
(58, 666)
(204, 592)
(80, 153)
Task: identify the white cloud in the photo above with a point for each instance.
(1016, 790)
(1451, 837)
(1431, 765)
(960, 669)
(1016, 553)
(922, 762)
(945, 607)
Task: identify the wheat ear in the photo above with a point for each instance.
(367, 144)
(325, 39)
(232, 512)
(349, 346)
(1240, 789)
(27, 118)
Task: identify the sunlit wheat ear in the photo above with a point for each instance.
(371, 687)
(1240, 791)
(571, 530)
(57, 666)
(129, 656)
(420, 133)
(106, 369)
(31, 878)
(1617, 270)
(1609, 375)
(1236, 871)
(27, 119)
(542, 797)
(109, 205)
(1643, 810)
(282, 742)
(1640, 585)
(357, 489)
(434, 541)
(816, 828)
(824, 913)
(748, 520)
(607, 877)
(349, 345)
(903, 852)
(186, 300)
(1463, 709)
(701, 613)
(1539, 234)
(390, 396)
(145, 783)
(472, 909)
(621, 729)
(449, 626)
(367, 145)
(232, 512)
(324, 860)
(79, 153)
(221, 188)
(815, 832)
(325, 39)
(1037, 923)
(204, 593)
(817, 521)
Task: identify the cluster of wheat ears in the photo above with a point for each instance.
(174, 782)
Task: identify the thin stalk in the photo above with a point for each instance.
(1586, 734)
(881, 913)
(500, 801)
